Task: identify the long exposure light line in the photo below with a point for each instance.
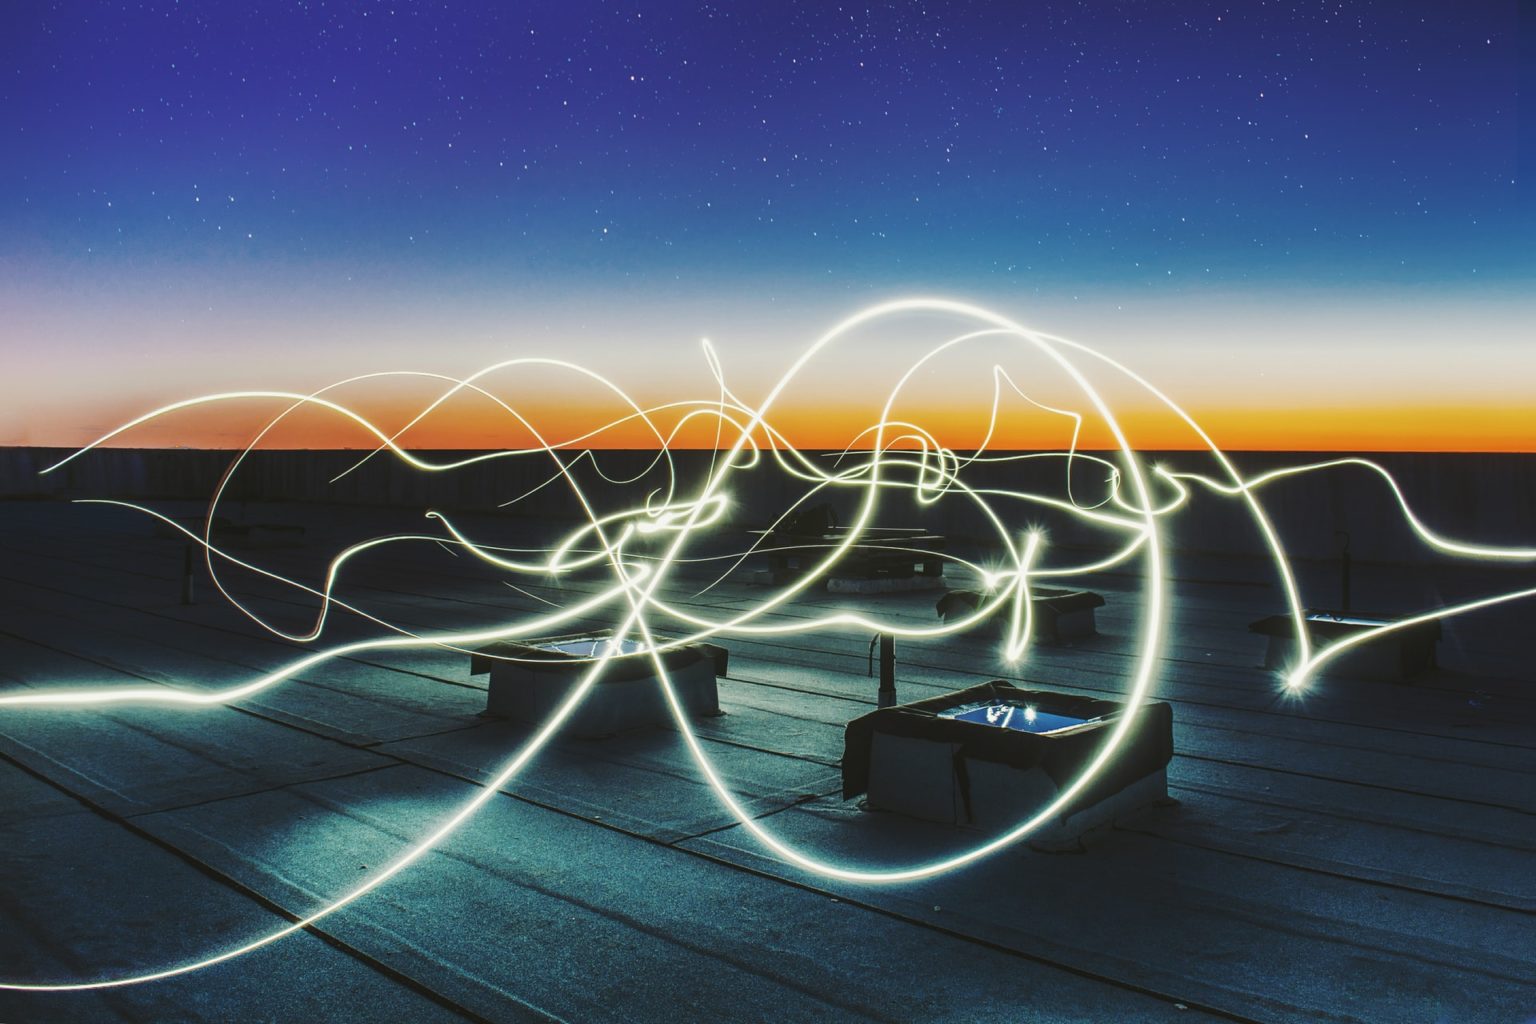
(890, 457)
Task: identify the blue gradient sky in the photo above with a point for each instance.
(198, 197)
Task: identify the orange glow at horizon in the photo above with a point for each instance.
(1429, 427)
(1289, 370)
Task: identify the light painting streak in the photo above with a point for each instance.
(900, 458)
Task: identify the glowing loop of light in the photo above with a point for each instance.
(607, 539)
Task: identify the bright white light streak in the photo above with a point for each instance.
(1298, 677)
(1430, 537)
(1277, 553)
(928, 474)
(1142, 678)
(450, 825)
(1022, 626)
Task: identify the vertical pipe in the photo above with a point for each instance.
(887, 670)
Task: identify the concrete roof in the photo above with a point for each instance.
(1367, 853)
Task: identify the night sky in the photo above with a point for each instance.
(204, 196)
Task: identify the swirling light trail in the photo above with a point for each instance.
(931, 473)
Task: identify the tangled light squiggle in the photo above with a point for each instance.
(891, 457)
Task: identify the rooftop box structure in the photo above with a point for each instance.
(884, 559)
(530, 678)
(993, 755)
(1392, 657)
(1058, 614)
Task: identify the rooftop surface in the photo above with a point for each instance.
(1364, 853)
